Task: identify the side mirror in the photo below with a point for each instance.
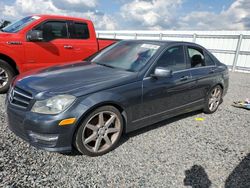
(35, 35)
(161, 72)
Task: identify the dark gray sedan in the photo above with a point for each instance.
(129, 85)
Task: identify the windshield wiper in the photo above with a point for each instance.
(103, 64)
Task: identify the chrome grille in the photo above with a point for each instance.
(20, 98)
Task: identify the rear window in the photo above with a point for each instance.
(196, 57)
(79, 31)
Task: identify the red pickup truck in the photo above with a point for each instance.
(39, 41)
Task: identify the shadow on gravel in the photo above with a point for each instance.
(74, 152)
(197, 177)
(126, 137)
(240, 177)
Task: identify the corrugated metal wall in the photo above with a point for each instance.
(230, 47)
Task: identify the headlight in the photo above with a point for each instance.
(53, 105)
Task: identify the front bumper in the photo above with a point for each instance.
(43, 131)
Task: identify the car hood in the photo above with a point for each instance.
(75, 78)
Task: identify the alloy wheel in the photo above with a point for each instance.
(214, 99)
(3, 77)
(101, 131)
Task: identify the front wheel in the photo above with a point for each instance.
(100, 131)
(213, 100)
(6, 75)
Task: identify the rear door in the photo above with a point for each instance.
(83, 44)
(202, 69)
(54, 49)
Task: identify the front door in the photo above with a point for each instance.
(161, 96)
(55, 48)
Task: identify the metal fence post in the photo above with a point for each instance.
(236, 56)
(160, 36)
(194, 37)
(114, 35)
(135, 36)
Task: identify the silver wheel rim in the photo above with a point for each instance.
(214, 99)
(3, 77)
(101, 131)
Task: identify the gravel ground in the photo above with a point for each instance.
(175, 153)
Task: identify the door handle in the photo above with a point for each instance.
(184, 78)
(211, 71)
(68, 47)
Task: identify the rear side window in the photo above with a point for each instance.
(196, 57)
(53, 30)
(173, 59)
(79, 31)
(209, 61)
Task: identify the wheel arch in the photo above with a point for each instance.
(221, 85)
(94, 107)
(214, 85)
(117, 105)
(10, 61)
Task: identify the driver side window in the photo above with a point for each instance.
(53, 30)
(173, 59)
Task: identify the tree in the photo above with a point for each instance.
(4, 23)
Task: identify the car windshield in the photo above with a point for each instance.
(127, 55)
(20, 24)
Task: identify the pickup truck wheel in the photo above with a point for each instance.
(6, 75)
(100, 131)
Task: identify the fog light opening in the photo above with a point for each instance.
(49, 138)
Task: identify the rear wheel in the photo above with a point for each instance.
(213, 100)
(100, 131)
(6, 75)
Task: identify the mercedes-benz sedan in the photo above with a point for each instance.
(129, 85)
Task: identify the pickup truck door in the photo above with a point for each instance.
(55, 48)
(84, 45)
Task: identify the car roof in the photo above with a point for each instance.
(166, 42)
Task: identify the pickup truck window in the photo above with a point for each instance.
(79, 31)
(20, 24)
(53, 30)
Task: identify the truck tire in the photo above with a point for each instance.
(7, 73)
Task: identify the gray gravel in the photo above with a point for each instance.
(178, 152)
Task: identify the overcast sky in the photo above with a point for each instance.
(141, 14)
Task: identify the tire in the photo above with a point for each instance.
(99, 132)
(213, 99)
(7, 73)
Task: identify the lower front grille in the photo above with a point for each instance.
(19, 97)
